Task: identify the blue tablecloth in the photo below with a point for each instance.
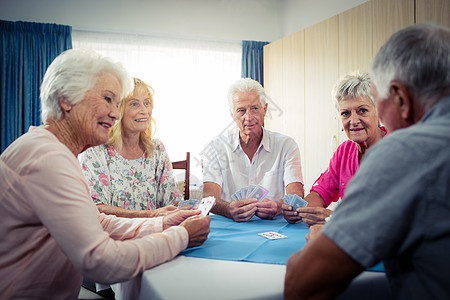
(229, 240)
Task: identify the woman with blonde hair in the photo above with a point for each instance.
(131, 175)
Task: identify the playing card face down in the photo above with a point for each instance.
(295, 201)
(206, 204)
(251, 191)
(192, 202)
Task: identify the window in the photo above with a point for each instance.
(190, 79)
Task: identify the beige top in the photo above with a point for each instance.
(52, 234)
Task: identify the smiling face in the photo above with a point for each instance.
(96, 113)
(137, 111)
(359, 120)
(248, 113)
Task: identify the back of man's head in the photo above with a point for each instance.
(418, 57)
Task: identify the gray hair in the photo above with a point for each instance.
(354, 85)
(418, 57)
(71, 75)
(246, 85)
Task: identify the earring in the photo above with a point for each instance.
(342, 129)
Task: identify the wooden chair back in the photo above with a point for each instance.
(184, 164)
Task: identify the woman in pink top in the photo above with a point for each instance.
(52, 233)
(358, 115)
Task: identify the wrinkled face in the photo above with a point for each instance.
(97, 112)
(248, 113)
(137, 112)
(359, 119)
(388, 111)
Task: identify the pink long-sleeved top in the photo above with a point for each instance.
(52, 234)
(343, 165)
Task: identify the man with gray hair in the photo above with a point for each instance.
(397, 207)
(250, 156)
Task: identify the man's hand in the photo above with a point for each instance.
(242, 210)
(313, 215)
(197, 228)
(177, 217)
(289, 214)
(268, 209)
(313, 232)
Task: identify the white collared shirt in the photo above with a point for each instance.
(275, 164)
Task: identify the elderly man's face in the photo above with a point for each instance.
(248, 113)
(388, 110)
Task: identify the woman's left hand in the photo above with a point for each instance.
(177, 217)
(163, 211)
(313, 215)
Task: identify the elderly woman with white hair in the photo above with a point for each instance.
(360, 123)
(52, 233)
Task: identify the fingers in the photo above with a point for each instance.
(244, 214)
(198, 228)
(312, 221)
(267, 209)
(189, 213)
(186, 207)
(243, 210)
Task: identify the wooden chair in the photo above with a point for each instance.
(184, 164)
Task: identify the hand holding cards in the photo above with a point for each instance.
(295, 201)
(206, 204)
(251, 191)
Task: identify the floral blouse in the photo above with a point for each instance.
(140, 184)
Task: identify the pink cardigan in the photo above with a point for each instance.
(343, 165)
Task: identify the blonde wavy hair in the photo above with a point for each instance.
(146, 137)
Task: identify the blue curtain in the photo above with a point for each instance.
(26, 50)
(252, 60)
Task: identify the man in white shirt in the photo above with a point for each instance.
(250, 155)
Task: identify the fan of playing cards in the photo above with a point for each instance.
(204, 206)
(251, 191)
(192, 202)
(295, 201)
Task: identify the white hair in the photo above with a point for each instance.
(354, 85)
(418, 57)
(246, 85)
(71, 75)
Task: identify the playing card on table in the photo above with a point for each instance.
(258, 192)
(271, 235)
(206, 204)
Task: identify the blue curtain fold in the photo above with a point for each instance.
(26, 50)
(252, 60)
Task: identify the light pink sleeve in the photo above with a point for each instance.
(106, 251)
(126, 228)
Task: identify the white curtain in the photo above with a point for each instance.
(190, 79)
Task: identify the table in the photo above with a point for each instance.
(236, 263)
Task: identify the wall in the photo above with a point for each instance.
(231, 20)
(299, 14)
(299, 75)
